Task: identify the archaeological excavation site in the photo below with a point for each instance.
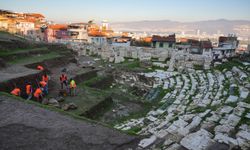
(115, 97)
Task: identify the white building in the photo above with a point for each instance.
(78, 31)
(98, 40)
(24, 26)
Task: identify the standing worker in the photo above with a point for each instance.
(16, 91)
(38, 94)
(63, 80)
(72, 87)
(44, 88)
(29, 91)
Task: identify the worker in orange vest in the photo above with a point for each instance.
(63, 80)
(45, 78)
(44, 87)
(16, 91)
(72, 85)
(38, 94)
(29, 91)
(39, 67)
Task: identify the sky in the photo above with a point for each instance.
(132, 10)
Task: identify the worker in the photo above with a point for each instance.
(63, 80)
(72, 87)
(44, 87)
(16, 91)
(29, 91)
(39, 67)
(45, 78)
(38, 94)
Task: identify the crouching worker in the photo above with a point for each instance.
(45, 78)
(16, 91)
(44, 88)
(72, 87)
(29, 91)
(38, 94)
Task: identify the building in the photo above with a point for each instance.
(4, 23)
(56, 32)
(23, 26)
(35, 16)
(97, 38)
(163, 41)
(226, 47)
(78, 31)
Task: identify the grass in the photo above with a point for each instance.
(198, 67)
(134, 130)
(228, 65)
(91, 81)
(34, 59)
(18, 51)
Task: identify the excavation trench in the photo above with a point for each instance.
(21, 82)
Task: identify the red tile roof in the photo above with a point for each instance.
(170, 38)
(58, 26)
(35, 15)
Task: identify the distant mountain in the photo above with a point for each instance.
(223, 26)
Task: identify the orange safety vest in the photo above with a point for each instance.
(45, 78)
(28, 89)
(43, 83)
(16, 92)
(63, 77)
(40, 67)
(38, 92)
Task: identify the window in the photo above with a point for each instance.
(170, 45)
(161, 44)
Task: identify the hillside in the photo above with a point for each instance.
(209, 26)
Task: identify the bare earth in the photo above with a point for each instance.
(25, 126)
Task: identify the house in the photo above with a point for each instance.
(96, 36)
(56, 32)
(206, 47)
(4, 23)
(163, 41)
(35, 16)
(194, 46)
(78, 31)
(23, 26)
(226, 47)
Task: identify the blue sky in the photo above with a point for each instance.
(132, 10)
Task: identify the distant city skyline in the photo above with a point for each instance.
(133, 10)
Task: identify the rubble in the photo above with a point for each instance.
(198, 140)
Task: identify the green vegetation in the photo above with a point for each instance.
(20, 51)
(134, 130)
(229, 65)
(34, 59)
(198, 67)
